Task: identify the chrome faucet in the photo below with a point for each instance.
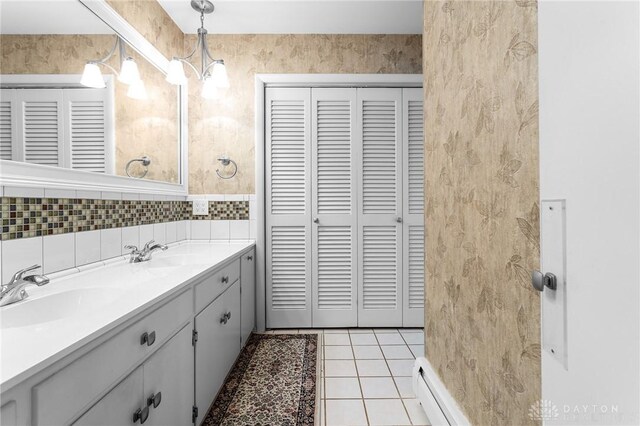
(15, 290)
(144, 255)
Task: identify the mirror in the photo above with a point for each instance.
(76, 95)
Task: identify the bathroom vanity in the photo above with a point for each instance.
(129, 343)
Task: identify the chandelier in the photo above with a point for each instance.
(212, 72)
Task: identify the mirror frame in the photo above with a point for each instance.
(20, 174)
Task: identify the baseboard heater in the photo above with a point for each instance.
(436, 401)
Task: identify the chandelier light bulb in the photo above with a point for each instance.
(175, 74)
(129, 73)
(92, 76)
(219, 75)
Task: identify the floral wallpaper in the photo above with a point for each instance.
(226, 126)
(143, 127)
(481, 216)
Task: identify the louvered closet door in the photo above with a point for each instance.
(39, 126)
(8, 130)
(88, 130)
(288, 207)
(380, 207)
(334, 181)
(413, 208)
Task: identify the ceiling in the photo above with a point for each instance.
(301, 16)
(49, 17)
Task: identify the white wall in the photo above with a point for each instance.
(590, 156)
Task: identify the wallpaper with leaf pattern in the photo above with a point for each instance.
(481, 216)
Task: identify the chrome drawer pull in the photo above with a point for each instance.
(155, 399)
(141, 414)
(225, 279)
(148, 338)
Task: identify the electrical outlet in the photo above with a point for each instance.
(200, 207)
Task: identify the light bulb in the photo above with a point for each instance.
(219, 75)
(137, 90)
(129, 73)
(92, 76)
(175, 74)
(209, 89)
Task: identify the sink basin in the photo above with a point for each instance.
(53, 307)
(167, 262)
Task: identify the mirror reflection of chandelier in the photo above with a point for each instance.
(212, 72)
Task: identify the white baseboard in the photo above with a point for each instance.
(438, 404)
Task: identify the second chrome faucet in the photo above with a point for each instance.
(145, 253)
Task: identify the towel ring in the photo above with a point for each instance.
(225, 162)
(145, 161)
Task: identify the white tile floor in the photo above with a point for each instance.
(366, 376)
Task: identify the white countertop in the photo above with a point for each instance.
(72, 310)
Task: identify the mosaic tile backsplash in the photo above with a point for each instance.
(35, 217)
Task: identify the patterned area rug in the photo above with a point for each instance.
(273, 382)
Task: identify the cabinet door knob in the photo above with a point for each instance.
(225, 318)
(316, 220)
(155, 399)
(141, 414)
(399, 219)
(249, 257)
(148, 338)
(225, 279)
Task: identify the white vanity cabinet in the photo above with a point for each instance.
(218, 327)
(176, 352)
(165, 378)
(247, 295)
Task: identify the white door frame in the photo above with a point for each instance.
(298, 80)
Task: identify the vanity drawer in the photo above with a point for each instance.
(215, 285)
(59, 398)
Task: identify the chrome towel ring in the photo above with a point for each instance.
(145, 161)
(225, 162)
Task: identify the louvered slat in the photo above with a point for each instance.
(88, 138)
(334, 256)
(333, 157)
(415, 257)
(379, 157)
(41, 127)
(288, 157)
(288, 267)
(380, 268)
(415, 161)
(6, 129)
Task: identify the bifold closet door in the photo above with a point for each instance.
(413, 207)
(334, 180)
(380, 208)
(288, 207)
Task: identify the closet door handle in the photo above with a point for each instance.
(399, 219)
(316, 220)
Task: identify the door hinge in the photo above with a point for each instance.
(194, 337)
(194, 414)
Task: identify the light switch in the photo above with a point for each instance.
(200, 207)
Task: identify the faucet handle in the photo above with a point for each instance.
(131, 247)
(149, 244)
(18, 275)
